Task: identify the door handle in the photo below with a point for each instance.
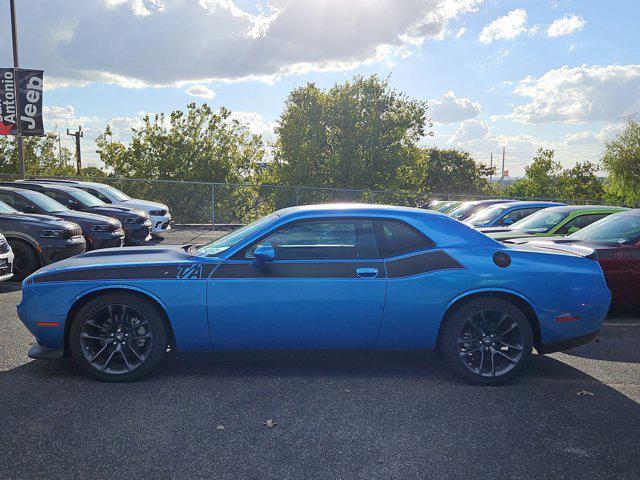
(367, 272)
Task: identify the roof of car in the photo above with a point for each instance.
(354, 208)
(57, 186)
(63, 181)
(580, 208)
(529, 203)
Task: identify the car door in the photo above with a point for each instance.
(324, 289)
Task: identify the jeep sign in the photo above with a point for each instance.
(29, 86)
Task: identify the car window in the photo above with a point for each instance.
(59, 196)
(516, 215)
(96, 193)
(541, 221)
(580, 222)
(8, 199)
(623, 229)
(322, 240)
(398, 238)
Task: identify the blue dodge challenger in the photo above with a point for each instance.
(343, 276)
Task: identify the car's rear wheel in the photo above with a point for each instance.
(25, 260)
(487, 341)
(118, 337)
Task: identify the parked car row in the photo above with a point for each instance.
(609, 235)
(44, 221)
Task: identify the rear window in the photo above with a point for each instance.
(398, 238)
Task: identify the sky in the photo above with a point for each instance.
(518, 74)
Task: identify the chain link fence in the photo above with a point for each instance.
(237, 203)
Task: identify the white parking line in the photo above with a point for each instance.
(622, 324)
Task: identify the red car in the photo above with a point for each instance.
(614, 242)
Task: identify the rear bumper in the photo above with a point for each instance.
(567, 344)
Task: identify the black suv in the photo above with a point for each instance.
(136, 223)
(99, 231)
(37, 240)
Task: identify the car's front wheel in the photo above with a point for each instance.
(487, 341)
(118, 337)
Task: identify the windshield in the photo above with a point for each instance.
(86, 198)
(540, 222)
(233, 238)
(45, 203)
(463, 210)
(621, 229)
(114, 193)
(4, 208)
(486, 215)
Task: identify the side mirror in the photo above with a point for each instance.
(262, 255)
(29, 209)
(73, 205)
(572, 230)
(507, 221)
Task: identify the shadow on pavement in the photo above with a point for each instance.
(339, 415)
(617, 342)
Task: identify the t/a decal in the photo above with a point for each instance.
(186, 272)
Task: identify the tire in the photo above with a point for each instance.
(118, 337)
(477, 346)
(26, 259)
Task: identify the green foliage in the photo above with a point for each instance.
(354, 135)
(450, 171)
(41, 157)
(198, 145)
(621, 160)
(542, 178)
(581, 183)
(546, 179)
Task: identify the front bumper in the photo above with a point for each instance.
(39, 352)
(99, 240)
(6, 266)
(137, 233)
(56, 250)
(160, 224)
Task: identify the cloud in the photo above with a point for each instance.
(256, 124)
(471, 130)
(460, 33)
(580, 94)
(201, 91)
(591, 137)
(138, 43)
(508, 27)
(566, 25)
(452, 109)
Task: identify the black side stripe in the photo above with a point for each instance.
(188, 271)
(422, 263)
(297, 270)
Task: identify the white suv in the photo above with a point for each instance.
(6, 259)
(158, 213)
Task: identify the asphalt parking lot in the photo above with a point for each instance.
(339, 415)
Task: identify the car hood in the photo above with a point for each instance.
(583, 248)
(76, 216)
(144, 204)
(45, 221)
(127, 263)
(113, 210)
(506, 234)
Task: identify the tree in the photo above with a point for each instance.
(41, 157)
(198, 145)
(581, 183)
(354, 135)
(542, 178)
(621, 160)
(447, 171)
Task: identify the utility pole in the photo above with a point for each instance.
(502, 173)
(16, 65)
(59, 150)
(491, 168)
(77, 136)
